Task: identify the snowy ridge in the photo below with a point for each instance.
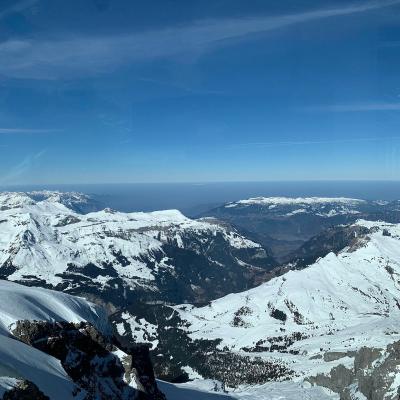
(290, 206)
(66, 198)
(75, 201)
(43, 238)
(337, 305)
(36, 304)
(20, 361)
(295, 201)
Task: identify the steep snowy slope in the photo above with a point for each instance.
(204, 390)
(20, 361)
(283, 224)
(18, 303)
(161, 255)
(303, 323)
(56, 345)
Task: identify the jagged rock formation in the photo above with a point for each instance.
(25, 390)
(58, 347)
(92, 360)
(374, 375)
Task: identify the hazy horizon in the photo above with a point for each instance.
(193, 198)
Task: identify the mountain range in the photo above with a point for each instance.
(284, 224)
(258, 296)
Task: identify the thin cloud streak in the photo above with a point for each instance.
(25, 130)
(87, 56)
(311, 142)
(356, 107)
(22, 167)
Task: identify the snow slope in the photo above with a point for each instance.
(19, 302)
(203, 390)
(337, 305)
(20, 361)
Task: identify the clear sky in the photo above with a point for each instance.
(211, 90)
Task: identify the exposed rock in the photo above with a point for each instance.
(337, 355)
(25, 390)
(372, 376)
(93, 361)
(340, 377)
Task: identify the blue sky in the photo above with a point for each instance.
(193, 91)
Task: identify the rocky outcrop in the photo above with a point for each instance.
(93, 361)
(372, 377)
(25, 390)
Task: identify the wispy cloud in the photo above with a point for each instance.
(355, 107)
(72, 56)
(26, 130)
(311, 142)
(20, 169)
(17, 7)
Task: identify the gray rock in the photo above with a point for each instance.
(87, 357)
(25, 390)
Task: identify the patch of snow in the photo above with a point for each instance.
(142, 331)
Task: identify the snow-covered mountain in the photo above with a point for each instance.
(334, 324)
(59, 347)
(326, 206)
(284, 224)
(332, 321)
(160, 256)
(79, 202)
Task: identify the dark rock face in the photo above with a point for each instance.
(372, 375)
(25, 390)
(340, 378)
(89, 359)
(333, 239)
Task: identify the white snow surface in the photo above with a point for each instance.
(20, 361)
(40, 238)
(205, 390)
(19, 302)
(339, 304)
